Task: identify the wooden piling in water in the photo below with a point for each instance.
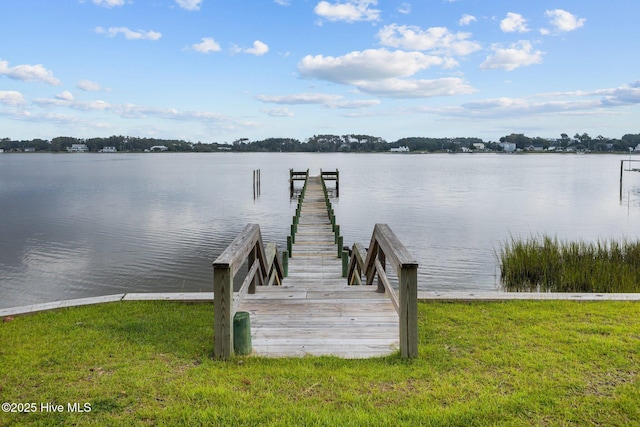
(256, 183)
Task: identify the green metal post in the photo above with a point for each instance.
(242, 333)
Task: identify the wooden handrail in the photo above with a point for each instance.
(265, 267)
(296, 176)
(356, 264)
(386, 246)
(331, 176)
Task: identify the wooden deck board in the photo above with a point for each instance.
(315, 312)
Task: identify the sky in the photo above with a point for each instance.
(217, 71)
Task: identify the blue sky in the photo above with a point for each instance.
(217, 71)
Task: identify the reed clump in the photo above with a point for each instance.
(545, 264)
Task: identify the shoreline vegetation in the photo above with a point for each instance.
(524, 363)
(515, 142)
(546, 264)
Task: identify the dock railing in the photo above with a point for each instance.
(264, 268)
(332, 176)
(385, 246)
(296, 176)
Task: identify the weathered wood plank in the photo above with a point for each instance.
(222, 318)
(315, 311)
(408, 303)
(382, 276)
(238, 251)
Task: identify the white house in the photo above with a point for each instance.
(108, 150)
(78, 148)
(158, 148)
(401, 149)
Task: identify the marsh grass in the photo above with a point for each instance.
(515, 363)
(545, 264)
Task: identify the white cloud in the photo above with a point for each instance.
(467, 19)
(282, 2)
(189, 4)
(130, 34)
(517, 55)
(381, 72)
(134, 111)
(514, 22)
(11, 98)
(65, 96)
(89, 86)
(327, 100)
(564, 21)
(66, 99)
(623, 95)
(207, 45)
(279, 112)
(438, 39)
(258, 49)
(518, 107)
(404, 8)
(28, 73)
(348, 11)
(301, 98)
(357, 104)
(416, 88)
(558, 103)
(371, 64)
(108, 3)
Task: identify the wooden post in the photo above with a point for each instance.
(408, 301)
(337, 183)
(222, 321)
(252, 257)
(345, 263)
(291, 183)
(621, 169)
(285, 263)
(247, 247)
(383, 261)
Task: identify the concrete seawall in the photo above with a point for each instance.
(422, 296)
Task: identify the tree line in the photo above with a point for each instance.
(328, 143)
(579, 142)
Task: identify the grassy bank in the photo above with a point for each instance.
(149, 363)
(546, 264)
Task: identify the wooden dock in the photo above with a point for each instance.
(315, 311)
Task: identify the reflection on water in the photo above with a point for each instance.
(85, 225)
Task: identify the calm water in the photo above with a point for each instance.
(82, 225)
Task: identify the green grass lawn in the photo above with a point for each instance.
(541, 363)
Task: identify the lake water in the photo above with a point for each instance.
(78, 225)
